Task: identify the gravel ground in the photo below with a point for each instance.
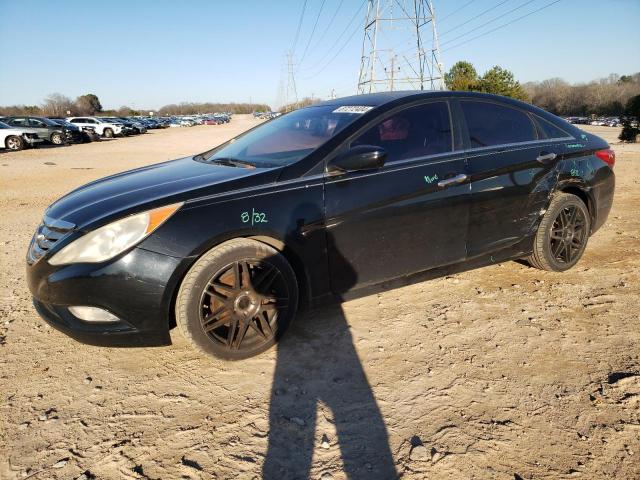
(502, 372)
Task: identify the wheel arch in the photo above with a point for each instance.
(583, 194)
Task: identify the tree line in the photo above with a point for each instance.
(607, 96)
(58, 105)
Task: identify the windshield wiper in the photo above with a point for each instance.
(233, 162)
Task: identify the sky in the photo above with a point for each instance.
(148, 53)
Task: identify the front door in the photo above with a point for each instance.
(407, 216)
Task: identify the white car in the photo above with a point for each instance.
(104, 128)
(16, 138)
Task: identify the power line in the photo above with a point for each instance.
(295, 41)
(456, 11)
(473, 18)
(332, 48)
(336, 54)
(328, 25)
(312, 31)
(451, 40)
(503, 25)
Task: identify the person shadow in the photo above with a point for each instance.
(319, 387)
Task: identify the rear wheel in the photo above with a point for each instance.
(562, 235)
(14, 142)
(237, 300)
(108, 133)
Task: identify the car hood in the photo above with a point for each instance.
(148, 187)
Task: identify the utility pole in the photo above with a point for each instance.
(396, 30)
(291, 95)
(393, 61)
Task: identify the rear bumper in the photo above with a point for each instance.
(137, 288)
(602, 194)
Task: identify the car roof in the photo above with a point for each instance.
(381, 98)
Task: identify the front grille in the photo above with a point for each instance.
(47, 234)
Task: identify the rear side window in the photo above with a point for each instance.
(492, 124)
(412, 133)
(18, 122)
(549, 130)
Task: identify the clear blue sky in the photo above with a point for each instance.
(147, 53)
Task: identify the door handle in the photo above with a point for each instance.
(448, 182)
(546, 158)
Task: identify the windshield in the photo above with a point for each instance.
(4, 125)
(286, 139)
(48, 121)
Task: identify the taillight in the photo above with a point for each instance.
(608, 156)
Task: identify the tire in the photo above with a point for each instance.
(108, 133)
(237, 300)
(562, 235)
(57, 138)
(14, 142)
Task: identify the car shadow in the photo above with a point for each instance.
(319, 387)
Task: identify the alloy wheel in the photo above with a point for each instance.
(568, 234)
(240, 305)
(13, 144)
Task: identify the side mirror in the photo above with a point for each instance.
(361, 157)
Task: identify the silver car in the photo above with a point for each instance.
(47, 130)
(16, 138)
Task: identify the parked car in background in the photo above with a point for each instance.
(127, 127)
(103, 127)
(139, 125)
(47, 130)
(76, 134)
(17, 138)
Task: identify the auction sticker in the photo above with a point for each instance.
(353, 109)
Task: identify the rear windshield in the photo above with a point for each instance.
(286, 139)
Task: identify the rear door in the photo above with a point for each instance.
(409, 215)
(511, 172)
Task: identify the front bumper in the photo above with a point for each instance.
(136, 287)
(73, 136)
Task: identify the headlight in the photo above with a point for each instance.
(110, 240)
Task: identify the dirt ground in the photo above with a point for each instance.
(502, 372)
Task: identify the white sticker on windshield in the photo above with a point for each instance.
(352, 109)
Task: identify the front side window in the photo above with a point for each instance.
(33, 122)
(411, 133)
(491, 124)
(286, 139)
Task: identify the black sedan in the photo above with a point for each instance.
(318, 202)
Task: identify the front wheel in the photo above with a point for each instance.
(108, 133)
(57, 138)
(237, 300)
(562, 235)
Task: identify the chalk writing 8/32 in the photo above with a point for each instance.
(253, 217)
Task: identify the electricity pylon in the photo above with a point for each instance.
(291, 92)
(395, 54)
